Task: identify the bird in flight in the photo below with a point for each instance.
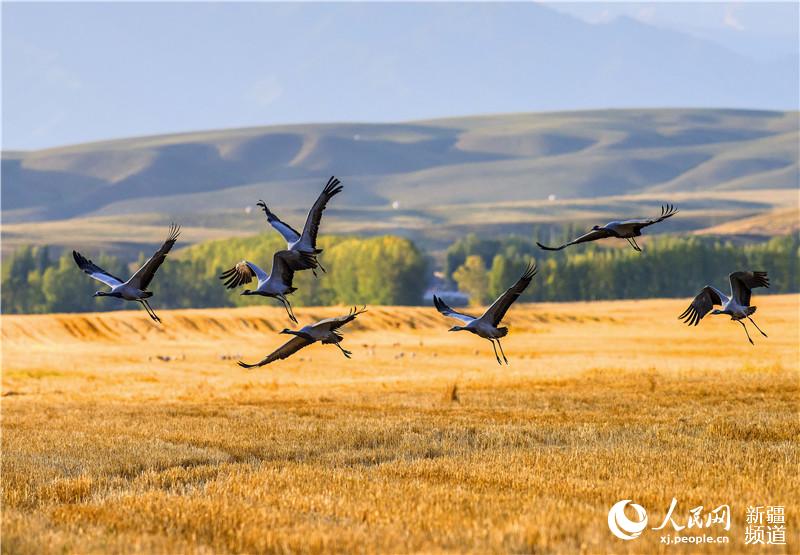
(626, 229)
(306, 242)
(486, 325)
(135, 289)
(277, 284)
(324, 331)
(737, 306)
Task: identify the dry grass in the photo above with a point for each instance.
(778, 222)
(119, 235)
(107, 448)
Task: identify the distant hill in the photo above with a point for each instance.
(777, 222)
(490, 173)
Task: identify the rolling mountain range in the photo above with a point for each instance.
(431, 180)
(156, 67)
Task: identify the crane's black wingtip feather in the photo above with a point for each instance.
(440, 304)
(172, 236)
(667, 210)
(355, 311)
(544, 247)
(82, 262)
(530, 271)
(333, 187)
(267, 212)
(333, 190)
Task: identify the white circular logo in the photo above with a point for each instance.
(623, 527)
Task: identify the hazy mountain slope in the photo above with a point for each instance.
(616, 152)
(442, 173)
(354, 61)
(772, 223)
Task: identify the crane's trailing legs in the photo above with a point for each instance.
(144, 306)
(501, 351)
(756, 325)
(288, 308)
(495, 353)
(632, 243)
(149, 310)
(745, 331)
(345, 352)
(153, 312)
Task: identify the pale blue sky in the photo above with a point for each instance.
(83, 72)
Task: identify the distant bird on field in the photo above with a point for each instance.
(323, 331)
(626, 229)
(135, 289)
(306, 242)
(277, 284)
(486, 325)
(737, 306)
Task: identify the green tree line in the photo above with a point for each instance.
(392, 270)
(670, 266)
(376, 270)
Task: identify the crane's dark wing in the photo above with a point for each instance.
(593, 235)
(242, 273)
(339, 321)
(289, 233)
(95, 271)
(442, 307)
(284, 351)
(281, 269)
(315, 214)
(144, 275)
(743, 282)
(497, 311)
(708, 298)
(667, 211)
(299, 260)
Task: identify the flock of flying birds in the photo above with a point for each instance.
(301, 253)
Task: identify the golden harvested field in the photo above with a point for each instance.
(420, 443)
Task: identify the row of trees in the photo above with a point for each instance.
(391, 270)
(670, 266)
(33, 282)
(378, 270)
